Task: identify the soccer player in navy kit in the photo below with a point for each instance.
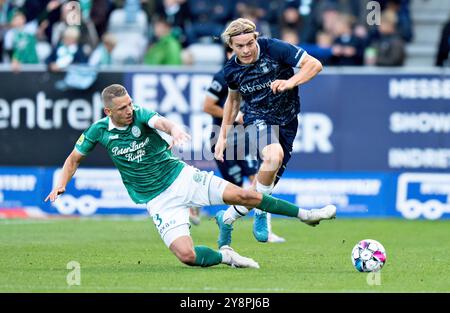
(261, 74)
(233, 168)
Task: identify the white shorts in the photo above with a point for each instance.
(192, 188)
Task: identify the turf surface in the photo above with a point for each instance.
(125, 255)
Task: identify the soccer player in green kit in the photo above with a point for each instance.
(168, 186)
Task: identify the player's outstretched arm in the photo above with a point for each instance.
(70, 167)
(309, 68)
(179, 136)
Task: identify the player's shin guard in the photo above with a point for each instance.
(278, 206)
(205, 256)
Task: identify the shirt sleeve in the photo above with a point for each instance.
(151, 122)
(146, 116)
(218, 87)
(87, 141)
(232, 85)
(286, 53)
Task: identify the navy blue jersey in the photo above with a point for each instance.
(275, 60)
(218, 90)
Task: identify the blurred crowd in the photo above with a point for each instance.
(176, 32)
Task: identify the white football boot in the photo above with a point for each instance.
(316, 215)
(231, 257)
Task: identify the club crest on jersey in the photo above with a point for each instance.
(197, 177)
(264, 68)
(136, 131)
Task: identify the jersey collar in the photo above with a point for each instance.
(111, 125)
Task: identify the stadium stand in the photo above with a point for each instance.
(196, 25)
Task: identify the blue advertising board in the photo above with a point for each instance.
(21, 191)
(375, 145)
(100, 191)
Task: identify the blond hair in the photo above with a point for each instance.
(238, 27)
(111, 92)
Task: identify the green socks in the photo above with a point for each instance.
(278, 206)
(205, 256)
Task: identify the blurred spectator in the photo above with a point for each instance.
(149, 7)
(389, 48)
(208, 19)
(7, 10)
(132, 8)
(329, 16)
(310, 16)
(45, 13)
(20, 40)
(102, 55)
(267, 11)
(67, 52)
(404, 23)
(98, 14)
(88, 34)
(348, 49)
(442, 57)
(317, 16)
(290, 18)
(177, 13)
(167, 49)
(290, 36)
(262, 26)
(131, 27)
(321, 51)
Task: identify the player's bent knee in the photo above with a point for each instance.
(273, 156)
(276, 160)
(186, 256)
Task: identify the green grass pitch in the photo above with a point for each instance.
(127, 255)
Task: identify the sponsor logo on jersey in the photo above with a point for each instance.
(136, 131)
(116, 136)
(80, 140)
(252, 88)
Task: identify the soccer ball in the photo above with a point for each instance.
(368, 255)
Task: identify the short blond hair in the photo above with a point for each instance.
(111, 92)
(238, 27)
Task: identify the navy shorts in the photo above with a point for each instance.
(263, 134)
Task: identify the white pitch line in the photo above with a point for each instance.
(168, 289)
